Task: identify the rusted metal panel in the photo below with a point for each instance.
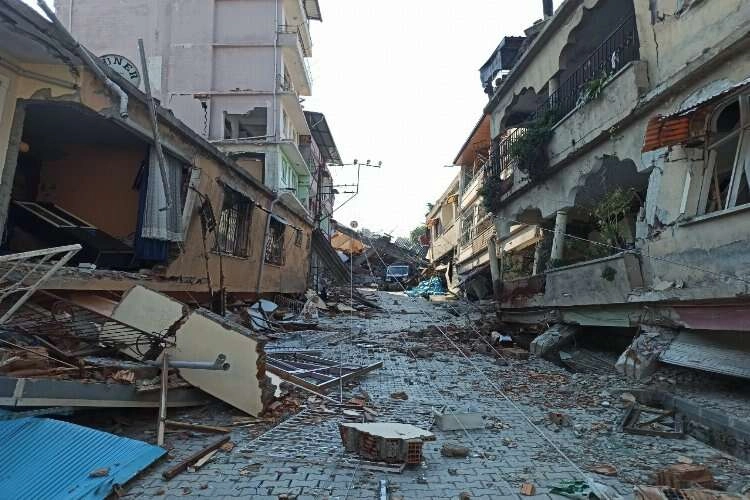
(725, 353)
(721, 317)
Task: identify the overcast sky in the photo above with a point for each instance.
(398, 81)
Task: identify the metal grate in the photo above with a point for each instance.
(234, 224)
(52, 317)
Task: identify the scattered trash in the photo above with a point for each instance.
(432, 286)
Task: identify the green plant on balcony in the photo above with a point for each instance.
(593, 89)
(528, 151)
(491, 192)
(609, 213)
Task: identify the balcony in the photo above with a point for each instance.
(609, 59)
(444, 243)
(609, 280)
(473, 242)
(295, 52)
(619, 49)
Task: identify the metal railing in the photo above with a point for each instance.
(294, 30)
(620, 48)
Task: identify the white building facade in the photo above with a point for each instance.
(233, 70)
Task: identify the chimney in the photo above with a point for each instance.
(548, 8)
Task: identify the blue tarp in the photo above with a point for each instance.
(432, 286)
(50, 459)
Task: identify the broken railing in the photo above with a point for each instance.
(24, 273)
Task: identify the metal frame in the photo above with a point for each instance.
(24, 264)
(631, 422)
(312, 372)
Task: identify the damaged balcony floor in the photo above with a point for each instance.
(303, 457)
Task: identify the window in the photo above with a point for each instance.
(275, 246)
(298, 237)
(289, 177)
(725, 182)
(233, 229)
(251, 124)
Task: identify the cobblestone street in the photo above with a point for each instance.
(303, 457)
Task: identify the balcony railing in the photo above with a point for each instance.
(619, 49)
(295, 30)
(613, 54)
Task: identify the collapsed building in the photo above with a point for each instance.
(612, 159)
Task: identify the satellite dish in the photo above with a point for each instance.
(354, 224)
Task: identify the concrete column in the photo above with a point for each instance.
(497, 279)
(537, 257)
(561, 223)
(11, 160)
(553, 85)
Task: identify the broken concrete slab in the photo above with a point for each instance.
(200, 336)
(389, 442)
(553, 339)
(450, 420)
(641, 358)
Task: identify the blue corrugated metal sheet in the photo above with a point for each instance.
(49, 459)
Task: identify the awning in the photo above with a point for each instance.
(689, 123)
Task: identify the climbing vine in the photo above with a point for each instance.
(529, 150)
(491, 192)
(609, 212)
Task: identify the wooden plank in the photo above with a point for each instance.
(197, 427)
(195, 457)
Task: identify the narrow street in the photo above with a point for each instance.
(302, 457)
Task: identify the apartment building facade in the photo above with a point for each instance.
(234, 71)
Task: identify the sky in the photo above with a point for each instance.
(398, 81)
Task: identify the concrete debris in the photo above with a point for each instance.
(553, 339)
(385, 441)
(641, 358)
(560, 419)
(344, 308)
(401, 396)
(453, 450)
(666, 493)
(604, 469)
(310, 311)
(315, 299)
(450, 420)
(528, 489)
(685, 476)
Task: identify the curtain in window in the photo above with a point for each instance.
(160, 222)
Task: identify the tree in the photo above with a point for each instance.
(417, 233)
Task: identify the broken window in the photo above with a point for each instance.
(234, 224)
(275, 246)
(725, 183)
(246, 126)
